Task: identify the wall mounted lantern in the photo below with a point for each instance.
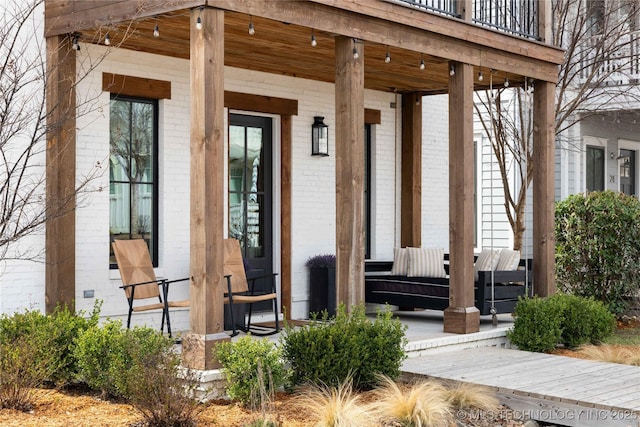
(319, 137)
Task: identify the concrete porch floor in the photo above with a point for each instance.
(425, 332)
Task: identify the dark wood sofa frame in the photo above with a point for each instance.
(433, 293)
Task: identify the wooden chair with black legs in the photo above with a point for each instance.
(240, 292)
(140, 283)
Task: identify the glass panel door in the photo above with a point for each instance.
(628, 172)
(250, 198)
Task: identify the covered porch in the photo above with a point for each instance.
(429, 53)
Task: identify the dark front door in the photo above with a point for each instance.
(628, 172)
(250, 198)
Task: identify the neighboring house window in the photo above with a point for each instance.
(133, 172)
(595, 168)
(595, 17)
(367, 191)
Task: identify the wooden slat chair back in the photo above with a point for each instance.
(140, 283)
(238, 290)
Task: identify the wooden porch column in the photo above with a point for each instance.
(207, 184)
(545, 22)
(286, 158)
(349, 94)
(411, 171)
(544, 241)
(464, 8)
(461, 316)
(60, 276)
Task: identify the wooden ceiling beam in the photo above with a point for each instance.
(444, 37)
(68, 16)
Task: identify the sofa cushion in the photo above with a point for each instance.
(400, 262)
(508, 260)
(487, 260)
(426, 262)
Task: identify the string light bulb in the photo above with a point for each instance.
(156, 30)
(75, 45)
(491, 95)
(387, 57)
(480, 76)
(107, 40)
(422, 66)
(252, 29)
(506, 81)
(314, 41)
(356, 54)
(452, 70)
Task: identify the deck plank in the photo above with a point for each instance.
(547, 380)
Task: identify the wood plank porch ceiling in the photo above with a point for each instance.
(285, 49)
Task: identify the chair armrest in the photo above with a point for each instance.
(262, 276)
(132, 285)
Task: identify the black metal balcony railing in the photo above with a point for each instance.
(518, 17)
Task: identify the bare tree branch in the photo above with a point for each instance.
(600, 70)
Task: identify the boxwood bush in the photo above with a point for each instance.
(253, 368)
(106, 355)
(537, 325)
(52, 338)
(541, 324)
(349, 345)
(597, 250)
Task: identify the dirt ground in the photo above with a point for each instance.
(78, 409)
(81, 409)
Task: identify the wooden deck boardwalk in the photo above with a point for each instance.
(554, 389)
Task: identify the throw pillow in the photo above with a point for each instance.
(426, 262)
(509, 260)
(486, 261)
(400, 262)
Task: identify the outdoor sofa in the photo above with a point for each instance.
(427, 286)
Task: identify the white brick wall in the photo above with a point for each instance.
(435, 171)
(313, 182)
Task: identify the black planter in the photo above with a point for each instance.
(322, 290)
(239, 312)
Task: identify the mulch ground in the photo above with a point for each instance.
(82, 408)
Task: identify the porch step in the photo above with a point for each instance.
(496, 337)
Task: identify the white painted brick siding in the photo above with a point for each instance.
(313, 183)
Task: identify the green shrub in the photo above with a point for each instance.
(21, 370)
(543, 323)
(105, 355)
(537, 325)
(52, 338)
(253, 368)
(597, 251)
(330, 351)
(584, 320)
(157, 386)
(99, 351)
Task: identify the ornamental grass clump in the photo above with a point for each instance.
(471, 396)
(612, 354)
(334, 406)
(423, 404)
